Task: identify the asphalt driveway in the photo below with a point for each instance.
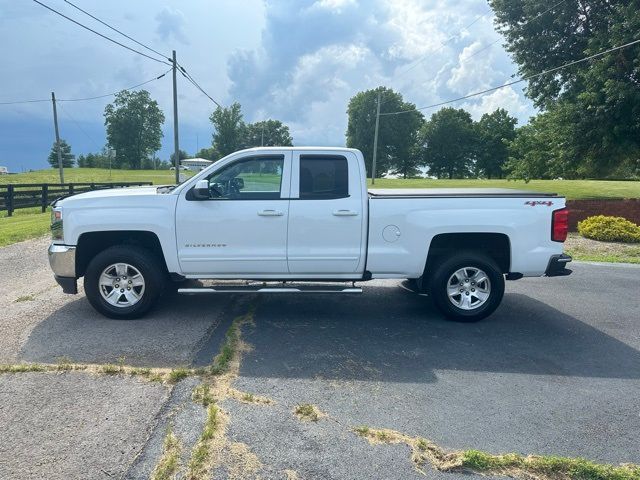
(556, 370)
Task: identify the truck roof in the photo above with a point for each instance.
(456, 192)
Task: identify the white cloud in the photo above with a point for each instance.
(475, 69)
(506, 98)
(336, 6)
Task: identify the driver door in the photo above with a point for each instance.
(241, 229)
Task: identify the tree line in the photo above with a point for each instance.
(588, 125)
(134, 132)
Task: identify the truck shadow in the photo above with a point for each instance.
(388, 334)
(170, 335)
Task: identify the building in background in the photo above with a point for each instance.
(195, 164)
(4, 170)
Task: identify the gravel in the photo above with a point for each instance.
(73, 425)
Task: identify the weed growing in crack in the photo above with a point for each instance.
(202, 394)
(306, 411)
(25, 298)
(64, 363)
(178, 374)
(198, 464)
(170, 460)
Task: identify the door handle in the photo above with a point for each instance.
(345, 213)
(270, 213)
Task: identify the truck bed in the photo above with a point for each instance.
(456, 193)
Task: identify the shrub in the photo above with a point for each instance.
(609, 229)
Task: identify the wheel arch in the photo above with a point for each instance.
(497, 246)
(92, 243)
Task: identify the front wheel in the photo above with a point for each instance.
(124, 281)
(467, 287)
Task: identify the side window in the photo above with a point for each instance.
(258, 178)
(323, 177)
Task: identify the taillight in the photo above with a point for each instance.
(560, 225)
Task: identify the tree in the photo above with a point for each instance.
(208, 154)
(495, 131)
(546, 147)
(181, 156)
(134, 128)
(67, 156)
(397, 133)
(449, 143)
(268, 133)
(229, 129)
(602, 93)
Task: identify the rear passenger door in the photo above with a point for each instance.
(325, 231)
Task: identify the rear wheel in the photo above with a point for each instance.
(467, 287)
(124, 281)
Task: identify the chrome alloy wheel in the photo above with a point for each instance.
(468, 288)
(121, 285)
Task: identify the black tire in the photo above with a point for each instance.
(439, 283)
(144, 261)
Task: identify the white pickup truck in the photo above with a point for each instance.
(302, 220)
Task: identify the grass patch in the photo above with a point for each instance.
(510, 464)
(24, 224)
(178, 374)
(588, 250)
(88, 175)
(142, 372)
(202, 394)
(222, 360)
(64, 363)
(22, 368)
(170, 460)
(110, 369)
(308, 412)
(201, 454)
(547, 466)
(25, 298)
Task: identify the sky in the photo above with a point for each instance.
(293, 60)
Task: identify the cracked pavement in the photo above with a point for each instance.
(556, 370)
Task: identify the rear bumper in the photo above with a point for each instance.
(557, 266)
(62, 259)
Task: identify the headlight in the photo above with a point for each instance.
(56, 224)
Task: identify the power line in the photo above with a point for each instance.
(186, 75)
(25, 101)
(116, 30)
(95, 144)
(486, 47)
(86, 98)
(417, 62)
(99, 34)
(113, 93)
(529, 77)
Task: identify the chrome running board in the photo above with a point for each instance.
(270, 289)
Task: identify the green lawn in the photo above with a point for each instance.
(572, 189)
(24, 224)
(88, 175)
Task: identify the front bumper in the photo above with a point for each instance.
(557, 266)
(62, 259)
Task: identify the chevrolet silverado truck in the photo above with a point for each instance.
(301, 220)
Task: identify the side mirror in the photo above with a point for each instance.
(201, 190)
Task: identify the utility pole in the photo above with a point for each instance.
(375, 142)
(55, 123)
(176, 146)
